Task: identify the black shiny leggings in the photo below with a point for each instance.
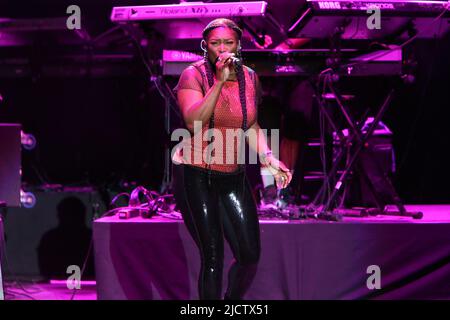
(213, 207)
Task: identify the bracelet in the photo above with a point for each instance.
(264, 155)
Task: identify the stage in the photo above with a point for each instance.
(301, 259)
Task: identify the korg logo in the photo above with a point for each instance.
(329, 5)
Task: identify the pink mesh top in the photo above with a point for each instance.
(227, 115)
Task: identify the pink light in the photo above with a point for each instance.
(82, 282)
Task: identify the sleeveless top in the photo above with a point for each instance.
(222, 153)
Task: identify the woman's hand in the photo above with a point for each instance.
(279, 170)
(223, 62)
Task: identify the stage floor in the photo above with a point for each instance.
(26, 290)
(301, 259)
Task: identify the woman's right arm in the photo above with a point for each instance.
(196, 107)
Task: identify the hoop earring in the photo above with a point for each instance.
(239, 50)
(205, 51)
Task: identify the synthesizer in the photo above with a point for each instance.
(299, 62)
(398, 18)
(189, 10)
(393, 6)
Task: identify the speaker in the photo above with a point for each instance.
(374, 163)
(10, 163)
(41, 242)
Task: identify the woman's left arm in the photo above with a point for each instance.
(257, 141)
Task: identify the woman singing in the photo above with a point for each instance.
(218, 94)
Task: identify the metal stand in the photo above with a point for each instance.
(170, 101)
(356, 142)
(167, 181)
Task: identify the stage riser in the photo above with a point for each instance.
(151, 260)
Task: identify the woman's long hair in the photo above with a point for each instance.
(211, 68)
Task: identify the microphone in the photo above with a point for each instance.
(236, 61)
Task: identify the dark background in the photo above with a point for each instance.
(106, 129)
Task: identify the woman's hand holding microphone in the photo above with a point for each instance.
(223, 63)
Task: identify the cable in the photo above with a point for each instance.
(23, 288)
(91, 243)
(154, 203)
(114, 200)
(322, 148)
(104, 34)
(15, 293)
(323, 156)
(84, 266)
(420, 111)
(154, 206)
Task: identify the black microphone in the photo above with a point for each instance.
(236, 61)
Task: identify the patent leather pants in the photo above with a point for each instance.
(216, 205)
